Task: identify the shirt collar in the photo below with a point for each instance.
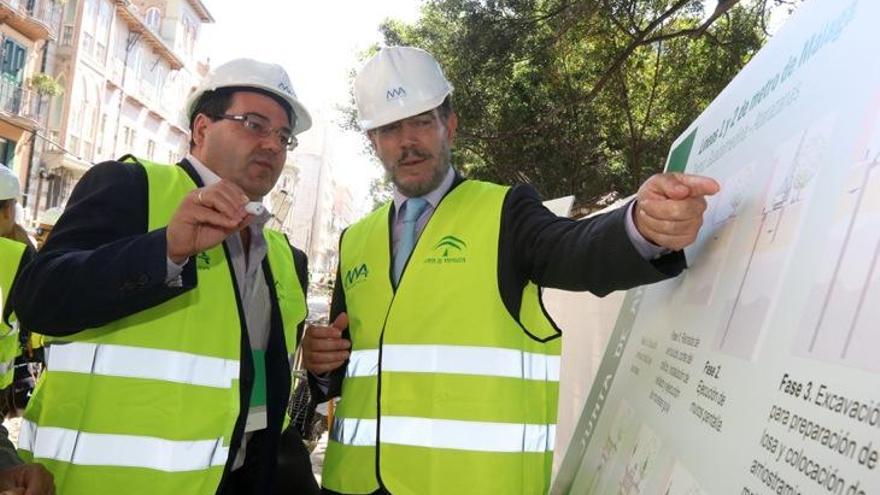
(433, 198)
(209, 177)
(206, 174)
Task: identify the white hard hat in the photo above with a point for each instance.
(10, 188)
(50, 216)
(249, 73)
(398, 82)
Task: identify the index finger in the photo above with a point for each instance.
(700, 185)
(677, 186)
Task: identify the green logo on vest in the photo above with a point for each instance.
(203, 261)
(356, 275)
(449, 249)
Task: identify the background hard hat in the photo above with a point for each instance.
(249, 73)
(50, 216)
(10, 188)
(398, 82)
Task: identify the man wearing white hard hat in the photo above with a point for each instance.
(10, 190)
(443, 356)
(14, 255)
(45, 223)
(170, 310)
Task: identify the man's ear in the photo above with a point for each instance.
(200, 125)
(8, 210)
(451, 126)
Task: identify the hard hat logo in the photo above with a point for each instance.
(285, 86)
(395, 93)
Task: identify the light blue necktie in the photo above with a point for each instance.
(413, 208)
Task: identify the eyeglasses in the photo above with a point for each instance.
(261, 127)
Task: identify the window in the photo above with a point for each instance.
(90, 12)
(151, 150)
(88, 43)
(102, 29)
(135, 57)
(129, 136)
(102, 132)
(74, 145)
(119, 45)
(87, 151)
(189, 35)
(11, 75)
(12, 64)
(67, 35)
(153, 18)
(161, 74)
(7, 152)
(87, 131)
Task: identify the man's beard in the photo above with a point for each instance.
(421, 189)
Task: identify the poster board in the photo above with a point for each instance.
(757, 371)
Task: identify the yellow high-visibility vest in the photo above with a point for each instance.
(147, 404)
(446, 391)
(11, 253)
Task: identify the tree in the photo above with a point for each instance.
(580, 97)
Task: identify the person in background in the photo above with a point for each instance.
(45, 223)
(15, 476)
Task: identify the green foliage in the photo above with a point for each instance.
(580, 97)
(45, 84)
(381, 191)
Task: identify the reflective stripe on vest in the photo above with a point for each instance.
(460, 360)
(102, 449)
(461, 393)
(139, 362)
(6, 367)
(478, 436)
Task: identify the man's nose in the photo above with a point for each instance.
(409, 134)
(273, 143)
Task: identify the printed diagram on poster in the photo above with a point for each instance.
(755, 371)
(776, 229)
(843, 314)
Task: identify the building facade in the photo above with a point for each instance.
(126, 68)
(27, 28)
(310, 203)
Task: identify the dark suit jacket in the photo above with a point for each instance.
(101, 264)
(594, 255)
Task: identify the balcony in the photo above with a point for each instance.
(22, 106)
(148, 36)
(36, 19)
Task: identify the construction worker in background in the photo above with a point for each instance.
(14, 255)
(170, 311)
(9, 226)
(29, 364)
(45, 223)
(452, 374)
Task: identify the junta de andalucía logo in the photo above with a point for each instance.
(449, 249)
